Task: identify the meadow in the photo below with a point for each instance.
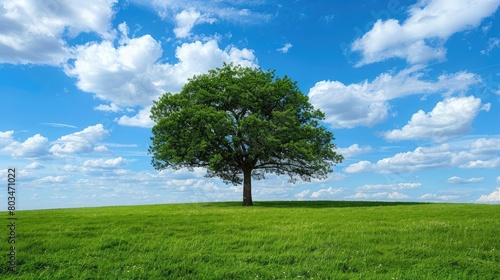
(271, 240)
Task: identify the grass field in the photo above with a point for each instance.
(272, 240)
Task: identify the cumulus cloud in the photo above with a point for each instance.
(285, 48)
(396, 195)
(491, 163)
(108, 108)
(119, 75)
(367, 103)
(451, 117)
(485, 146)
(50, 180)
(104, 163)
(32, 147)
(33, 31)
(84, 141)
(384, 191)
(186, 20)
(361, 167)
(423, 158)
(388, 187)
(458, 180)
(303, 194)
(379, 196)
(131, 74)
(195, 184)
(141, 119)
(199, 57)
(492, 197)
(422, 36)
(329, 192)
(6, 138)
(34, 165)
(353, 150)
(436, 197)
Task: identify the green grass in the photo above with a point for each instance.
(272, 240)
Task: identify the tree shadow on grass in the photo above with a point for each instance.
(316, 204)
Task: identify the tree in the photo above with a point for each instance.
(241, 123)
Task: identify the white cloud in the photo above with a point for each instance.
(396, 196)
(422, 158)
(347, 106)
(485, 146)
(198, 57)
(422, 36)
(492, 163)
(379, 196)
(384, 191)
(50, 180)
(35, 146)
(366, 103)
(60, 125)
(121, 75)
(451, 117)
(361, 167)
(186, 20)
(388, 187)
(492, 197)
(34, 165)
(84, 141)
(435, 197)
(101, 149)
(74, 168)
(196, 185)
(498, 180)
(141, 119)
(493, 43)
(143, 187)
(285, 48)
(353, 150)
(34, 30)
(232, 11)
(131, 74)
(108, 108)
(6, 138)
(104, 163)
(28, 174)
(329, 192)
(419, 159)
(458, 180)
(302, 195)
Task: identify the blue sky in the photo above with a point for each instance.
(411, 90)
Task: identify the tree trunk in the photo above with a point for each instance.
(247, 187)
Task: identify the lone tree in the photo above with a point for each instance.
(240, 123)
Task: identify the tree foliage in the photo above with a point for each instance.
(241, 123)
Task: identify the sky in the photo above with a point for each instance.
(410, 89)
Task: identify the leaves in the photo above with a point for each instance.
(236, 118)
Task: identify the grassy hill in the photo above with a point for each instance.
(272, 240)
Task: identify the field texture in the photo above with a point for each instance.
(272, 240)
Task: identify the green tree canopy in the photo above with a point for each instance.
(241, 123)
